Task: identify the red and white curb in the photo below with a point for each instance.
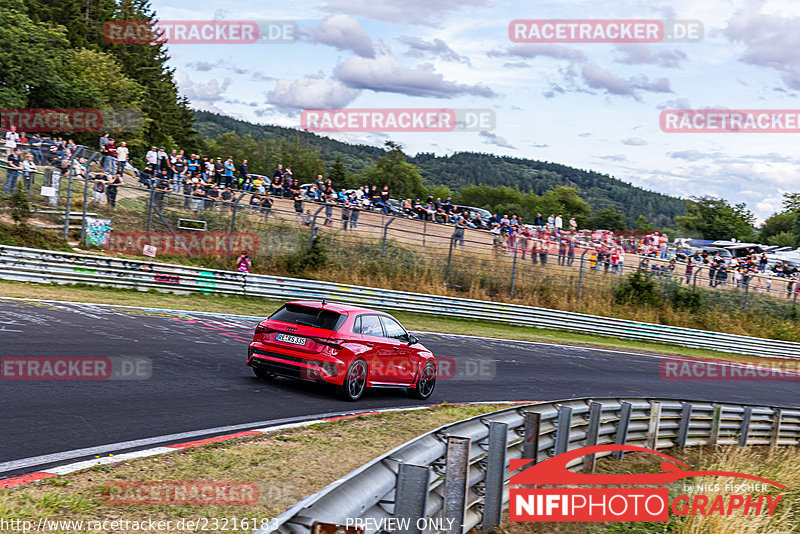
(154, 451)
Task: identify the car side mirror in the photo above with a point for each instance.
(412, 340)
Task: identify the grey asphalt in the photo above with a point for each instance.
(199, 379)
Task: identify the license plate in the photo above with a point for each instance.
(295, 340)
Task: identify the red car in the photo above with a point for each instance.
(352, 348)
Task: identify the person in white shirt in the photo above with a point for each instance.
(28, 168)
(12, 137)
(559, 223)
(152, 156)
(122, 157)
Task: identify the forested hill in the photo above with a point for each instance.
(599, 190)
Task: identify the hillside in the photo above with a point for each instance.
(599, 190)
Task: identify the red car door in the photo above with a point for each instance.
(399, 360)
(372, 337)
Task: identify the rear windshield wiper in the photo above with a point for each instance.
(305, 323)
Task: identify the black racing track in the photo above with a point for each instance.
(199, 379)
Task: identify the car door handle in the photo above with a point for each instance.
(370, 345)
(396, 348)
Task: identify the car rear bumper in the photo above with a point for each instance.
(311, 368)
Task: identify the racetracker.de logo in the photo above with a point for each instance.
(183, 243)
(398, 120)
(75, 368)
(73, 120)
(691, 369)
(200, 32)
(730, 121)
(605, 31)
(559, 504)
(181, 493)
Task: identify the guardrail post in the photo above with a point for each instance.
(775, 431)
(716, 421)
(592, 433)
(563, 427)
(746, 282)
(150, 209)
(495, 476)
(654, 425)
(530, 436)
(683, 426)
(744, 428)
(456, 483)
(411, 495)
(622, 428)
(314, 228)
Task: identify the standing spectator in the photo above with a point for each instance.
(384, 200)
(188, 187)
(219, 171)
(99, 190)
(551, 221)
(112, 188)
(538, 221)
(178, 174)
(243, 263)
(297, 196)
(162, 161)
(559, 222)
(562, 252)
(573, 224)
(458, 233)
(28, 168)
(244, 178)
(355, 210)
(152, 157)
(36, 149)
(571, 251)
(161, 188)
(193, 165)
(288, 181)
(230, 172)
(104, 141)
(226, 196)
(12, 138)
(277, 181)
(266, 204)
(111, 152)
(212, 194)
(15, 164)
(208, 169)
(346, 213)
(122, 157)
(328, 209)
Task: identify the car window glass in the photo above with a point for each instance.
(393, 329)
(357, 325)
(371, 326)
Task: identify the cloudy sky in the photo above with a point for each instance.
(591, 106)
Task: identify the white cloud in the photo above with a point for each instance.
(310, 93)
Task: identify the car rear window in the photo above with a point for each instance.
(305, 316)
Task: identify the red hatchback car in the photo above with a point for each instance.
(350, 347)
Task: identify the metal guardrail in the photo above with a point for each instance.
(43, 266)
(460, 471)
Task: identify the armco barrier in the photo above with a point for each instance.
(427, 477)
(33, 265)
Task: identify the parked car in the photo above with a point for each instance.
(352, 348)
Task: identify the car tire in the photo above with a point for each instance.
(264, 374)
(355, 381)
(426, 383)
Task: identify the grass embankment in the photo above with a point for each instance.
(286, 466)
(780, 465)
(418, 322)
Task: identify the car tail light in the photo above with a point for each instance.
(261, 329)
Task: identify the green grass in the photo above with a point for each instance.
(413, 321)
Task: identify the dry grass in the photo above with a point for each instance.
(781, 465)
(286, 466)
